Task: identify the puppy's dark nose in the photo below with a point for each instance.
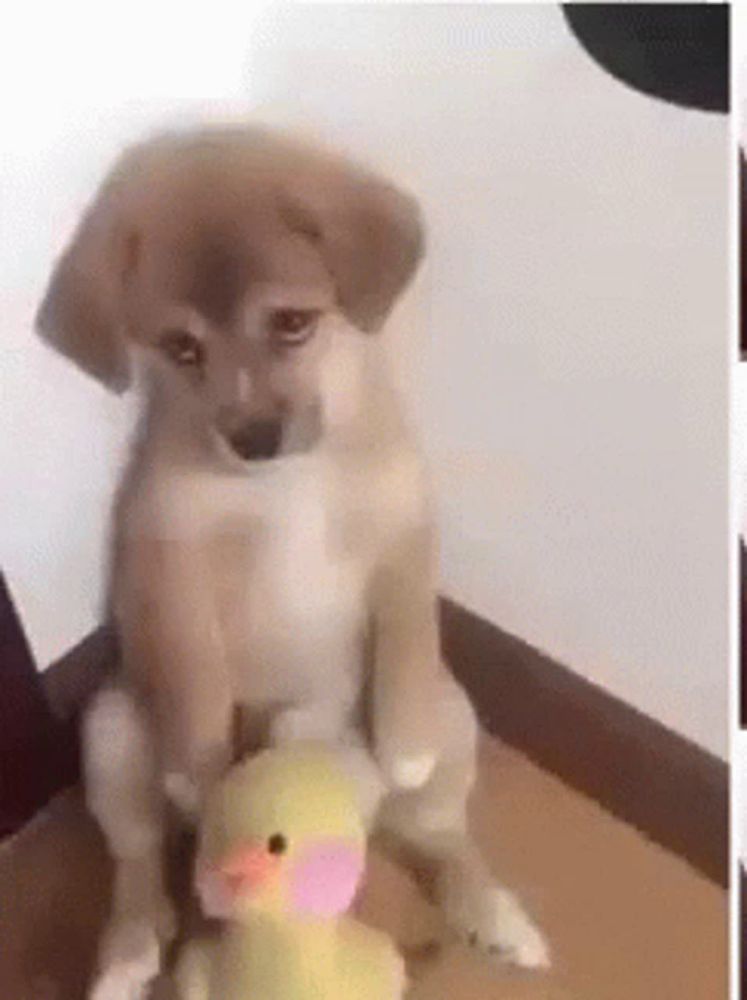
(258, 440)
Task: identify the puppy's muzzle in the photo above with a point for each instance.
(258, 440)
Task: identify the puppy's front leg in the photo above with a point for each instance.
(174, 718)
(192, 971)
(175, 654)
(407, 662)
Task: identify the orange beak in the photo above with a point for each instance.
(248, 868)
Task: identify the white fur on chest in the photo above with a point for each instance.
(296, 631)
(294, 627)
(299, 565)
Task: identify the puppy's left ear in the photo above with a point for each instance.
(371, 238)
(81, 312)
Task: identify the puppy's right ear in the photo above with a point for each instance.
(81, 315)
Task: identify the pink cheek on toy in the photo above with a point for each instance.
(325, 878)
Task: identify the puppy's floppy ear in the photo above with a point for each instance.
(370, 236)
(81, 314)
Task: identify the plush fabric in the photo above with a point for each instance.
(325, 878)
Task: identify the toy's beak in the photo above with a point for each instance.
(241, 874)
(248, 868)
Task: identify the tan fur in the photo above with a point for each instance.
(292, 587)
(367, 234)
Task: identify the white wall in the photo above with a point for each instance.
(83, 85)
(739, 430)
(577, 325)
(740, 437)
(573, 315)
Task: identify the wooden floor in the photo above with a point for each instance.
(626, 921)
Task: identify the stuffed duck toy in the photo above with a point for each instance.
(282, 853)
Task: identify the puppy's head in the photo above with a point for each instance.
(231, 261)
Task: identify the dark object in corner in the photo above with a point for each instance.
(37, 751)
(676, 52)
(674, 792)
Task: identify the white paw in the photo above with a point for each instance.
(183, 793)
(410, 773)
(131, 960)
(492, 919)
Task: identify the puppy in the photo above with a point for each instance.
(273, 548)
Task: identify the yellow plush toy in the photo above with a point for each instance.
(281, 856)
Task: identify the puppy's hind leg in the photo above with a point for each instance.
(432, 822)
(122, 794)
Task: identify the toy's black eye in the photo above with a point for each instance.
(277, 844)
(182, 348)
(292, 327)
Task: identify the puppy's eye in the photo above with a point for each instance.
(292, 327)
(277, 844)
(182, 348)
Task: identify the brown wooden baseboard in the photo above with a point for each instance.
(671, 790)
(674, 792)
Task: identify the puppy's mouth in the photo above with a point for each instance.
(260, 442)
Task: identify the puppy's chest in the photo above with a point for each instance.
(291, 578)
(302, 566)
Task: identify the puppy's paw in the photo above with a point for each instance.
(407, 771)
(492, 919)
(184, 794)
(130, 961)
